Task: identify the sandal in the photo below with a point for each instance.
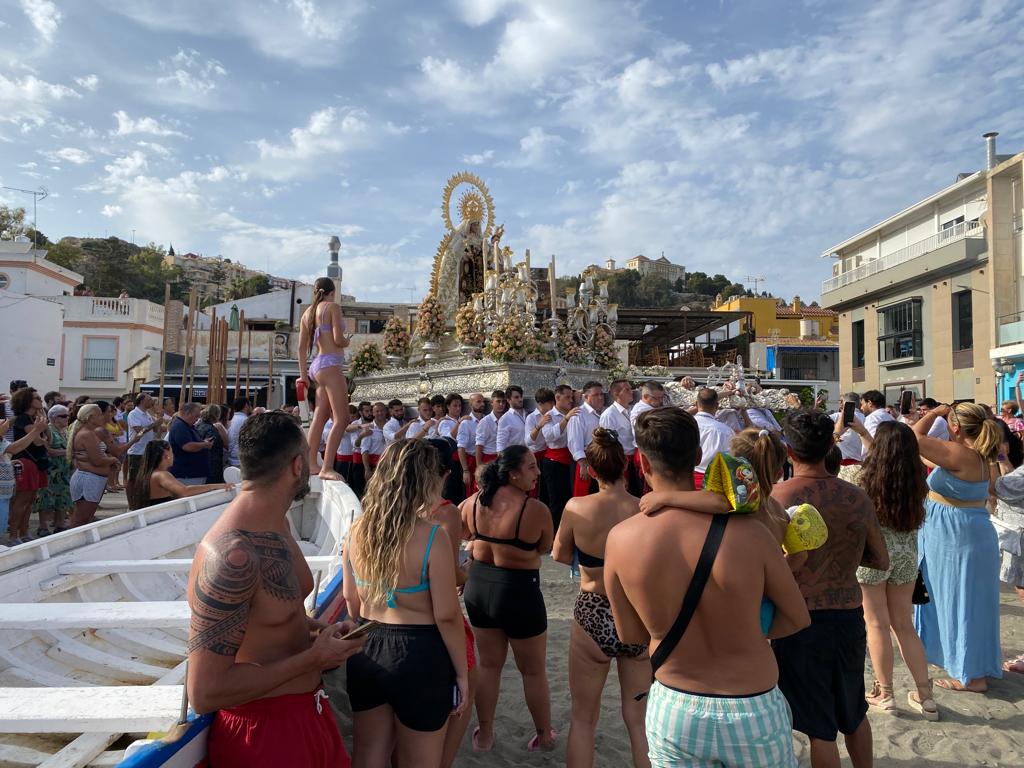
(880, 697)
(534, 744)
(1014, 665)
(922, 702)
(40, 532)
(957, 686)
(476, 742)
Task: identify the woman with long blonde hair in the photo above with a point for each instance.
(959, 550)
(322, 334)
(400, 572)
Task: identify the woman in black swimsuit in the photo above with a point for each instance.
(155, 484)
(593, 641)
(509, 531)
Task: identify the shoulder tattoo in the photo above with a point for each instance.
(234, 568)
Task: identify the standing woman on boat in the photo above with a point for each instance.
(959, 550)
(154, 484)
(411, 676)
(593, 642)
(91, 462)
(322, 334)
(510, 531)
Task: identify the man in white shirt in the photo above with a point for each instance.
(396, 427)
(872, 405)
(465, 440)
(715, 437)
(487, 430)
(424, 425)
(652, 395)
(512, 427)
(580, 432)
(616, 417)
(370, 440)
(849, 442)
(356, 474)
(557, 468)
(139, 422)
(535, 441)
(242, 408)
(448, 426)
(939, 427)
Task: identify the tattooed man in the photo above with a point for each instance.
(821, 668)
(253, 654)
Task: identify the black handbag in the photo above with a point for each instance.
(920, 596)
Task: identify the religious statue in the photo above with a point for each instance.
(459, 264)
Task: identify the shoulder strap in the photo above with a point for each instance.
(522, 510)
(693, 592)
(426, 552)
(476, 528)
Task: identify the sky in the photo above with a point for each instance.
(736, 137)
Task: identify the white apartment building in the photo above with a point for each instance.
(660, 266)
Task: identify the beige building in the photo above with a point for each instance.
(211, 276)
(930, 298)
(660, 266)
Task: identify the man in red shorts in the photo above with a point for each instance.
(253, 655)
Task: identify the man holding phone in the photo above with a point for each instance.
(872, 405)
(253, 655)
(848, 440)
(191, 453)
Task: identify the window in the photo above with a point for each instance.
(899, 333)
(5, 281)
(858, 344)
(963, 322)
(363, 326)
(799, 366)
(99, 361)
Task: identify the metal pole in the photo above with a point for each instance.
(238, 358)
(163, 350)
(270, 370)
(248, 362)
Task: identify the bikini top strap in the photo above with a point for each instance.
(519, 522)
(476, 528)
(426, 553)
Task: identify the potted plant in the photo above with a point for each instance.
(397, 341)
(430, 325)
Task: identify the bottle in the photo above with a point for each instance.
(301, 392)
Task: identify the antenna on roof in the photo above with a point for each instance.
(756, 281)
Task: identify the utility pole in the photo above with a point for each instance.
(756, 281)
(37, 195)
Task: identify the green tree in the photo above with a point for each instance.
(655, 291)
(66, 254)
(679, 286)
(12, 221)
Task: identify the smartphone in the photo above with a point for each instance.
(359, 631)
(456, 697)
(906, 400)
(849, 409)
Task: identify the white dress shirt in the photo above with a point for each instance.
(616, 417)
(512, 429)
(419, 426)
(850, 443)
(715, 437)
(139, 419)
(375, 442)
(939, 428)
(639, 408)
(391, 428)
(446, 428)
(873, 419)
(540, 443)
(763, 418)
(553, 433)
(581, 431)
(487, 434)
(466, 439)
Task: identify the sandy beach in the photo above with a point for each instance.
(974, 730)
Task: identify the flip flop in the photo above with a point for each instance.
(476, 742)
(957, 686)
(1014, 665)
(534, 744)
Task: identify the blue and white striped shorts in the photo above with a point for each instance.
(687, 729)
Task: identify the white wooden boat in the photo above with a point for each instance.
(93, 629)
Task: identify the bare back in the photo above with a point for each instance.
(500, 521)
(828, 576)
(586, 523)
(246, 591)
(326, 327)
(650, 563)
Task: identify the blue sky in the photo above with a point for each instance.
(737, 137)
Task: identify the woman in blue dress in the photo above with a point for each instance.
(958, 549)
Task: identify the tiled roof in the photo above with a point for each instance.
(794, 342)
(789, 312)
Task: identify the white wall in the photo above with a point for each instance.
(30, 331)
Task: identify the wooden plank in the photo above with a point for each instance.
(162, 565)
(169, 614)
(81, 751)
(99, 709)
(78, 655)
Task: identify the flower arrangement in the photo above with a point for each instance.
(469, 326)
(430, 322)
(604, 348)
(396, 338)
(569, 348)
(514, 340)
(367, 359)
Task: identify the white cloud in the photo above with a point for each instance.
(88, 82)
(479, 158)
(127, 125)
(329, 133)
(44, 17)
(779, 63)
(190, 78)
(28, 166)
(26, 101)
(537, 149)
(70, 154)
(111, 210)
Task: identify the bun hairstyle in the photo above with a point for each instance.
(497, 474)
(766, 454)
(605, 456)
(809, 434)
(85, 413)
(976, 424)
(322, 288)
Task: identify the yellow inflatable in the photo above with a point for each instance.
(806, 530)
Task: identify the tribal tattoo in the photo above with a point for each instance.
(236, 565)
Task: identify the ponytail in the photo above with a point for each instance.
(497, 473)
(766, 454)
(988, 441)
(322, 288)
(975, 423)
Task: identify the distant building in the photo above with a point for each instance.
(660, 266)
(212, 276)
(769, 318)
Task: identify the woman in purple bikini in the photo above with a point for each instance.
(322, 334)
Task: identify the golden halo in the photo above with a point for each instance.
(473, 205)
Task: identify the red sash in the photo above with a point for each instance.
(561, 455)
(849, 463)
(471, 465)
(488, 457)
(698, 480)
(580, 487)
(344, 458)
(374, 459)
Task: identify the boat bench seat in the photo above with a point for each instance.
(167, 614)
(161, 565)
(95, 709)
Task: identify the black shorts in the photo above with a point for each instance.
(508, 599)
(821, 673)
(407, 667)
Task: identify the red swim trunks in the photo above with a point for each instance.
(294, 729)
(470, 640)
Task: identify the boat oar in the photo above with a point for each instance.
(183, 717)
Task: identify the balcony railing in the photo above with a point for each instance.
(1010, 329)
(920, 248)
(98, 369)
